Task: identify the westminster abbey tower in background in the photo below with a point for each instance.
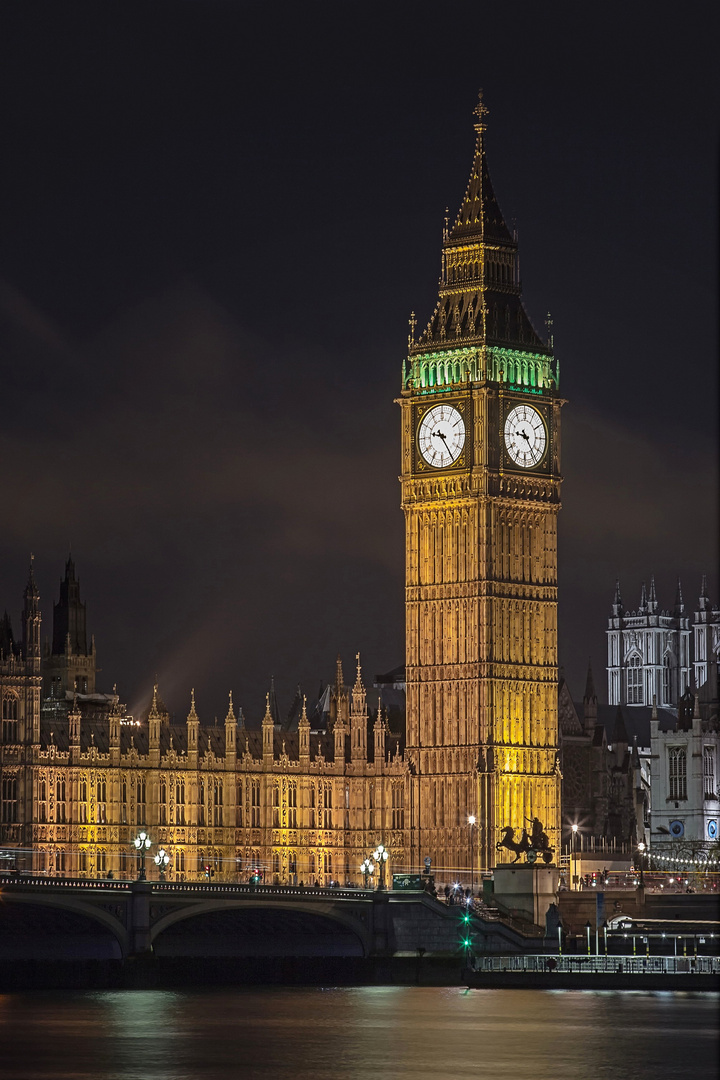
(309, 799)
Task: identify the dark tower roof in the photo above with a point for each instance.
(619, 734)
(590, 694)
(7, 642)
(480, 294)
(69, 615)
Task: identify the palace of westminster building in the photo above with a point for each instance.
(308, 800)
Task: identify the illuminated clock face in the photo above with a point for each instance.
(441, 436)
(525, 437)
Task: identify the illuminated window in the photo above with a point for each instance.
(163, 803)
(255, 804)
(239, 821)
(677, 757)
(201, 803)
(101, 793)
(42, 802)
(101, 862)
(276, 864)
(8, 800)
(634, 680)
(179, 861)
(709, 772)
(292, 862)
(276, 806)
(292, 805)
(327, 802)
(60, 802)
(180, 802)
(140, 805)
(218, 803)
(83, 801)
(9, 718)
(123, 796)
(313, 815)
(398, 812)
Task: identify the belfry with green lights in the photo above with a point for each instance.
(481, 493)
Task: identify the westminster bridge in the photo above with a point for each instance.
(56, 919)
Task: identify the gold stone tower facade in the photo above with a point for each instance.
(481, 493)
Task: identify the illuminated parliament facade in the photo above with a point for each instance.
(480, 486)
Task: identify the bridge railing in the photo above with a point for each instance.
(632, 965)
(185, 887)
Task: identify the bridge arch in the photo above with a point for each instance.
(247, 927)
(34, 925)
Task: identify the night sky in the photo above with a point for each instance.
(216, 219)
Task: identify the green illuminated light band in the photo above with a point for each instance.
(447, 369)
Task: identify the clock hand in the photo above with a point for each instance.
(523, 435)
(439, 435)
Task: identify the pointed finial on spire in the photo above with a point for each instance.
(481, 110)
(268, 715)
(549, 328)
(192, 715)
(358, 676)
(339, 677)
(412, 323)
(230, 718)
(704, 588)
(617, 605)
(679, 602)
(652, 602)
(643, 598)
(303, 714)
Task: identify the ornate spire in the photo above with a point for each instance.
(652, 602)
(267, 718)
(303, 714)
(339, 677)
(590, 694)
(230, 718)
(480, 298)
(192, 715)
(358, 676)
(154, 706)
(643, 600)
(704, 599)
(617, 605)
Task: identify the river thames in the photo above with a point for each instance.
(384, 1033)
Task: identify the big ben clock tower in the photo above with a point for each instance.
(481, 492)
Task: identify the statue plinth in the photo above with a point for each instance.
(526, 888)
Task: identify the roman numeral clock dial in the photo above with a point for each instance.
(441, 436)
(525, 436)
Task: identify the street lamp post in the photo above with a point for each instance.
(641, 849)
(161, 861)
(142, 843)
(367, 868)
(471, 823)
(380, 855)
(573, 859)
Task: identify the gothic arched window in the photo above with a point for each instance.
(677, 762)
(634, 680)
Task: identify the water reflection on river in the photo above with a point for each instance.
(377, 1033)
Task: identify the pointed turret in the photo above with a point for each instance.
(193, 728)
(590, 702)
(273, 704)
(154, 724)
(652, 601)
(617, 604)
(230, 732)
(304, 734)
(642, 610)
(480, 301)
(679, 607)
(31, 620)
(69, 616)
(379, 735)
(358, 718)
(268, 726)
(7, 642)
(704, 599)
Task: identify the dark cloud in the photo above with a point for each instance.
(216, 229)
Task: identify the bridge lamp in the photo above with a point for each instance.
(367, 868)
(142, 843)
(161, 861)
(573, 859)
(471, 822)
(380, 855)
